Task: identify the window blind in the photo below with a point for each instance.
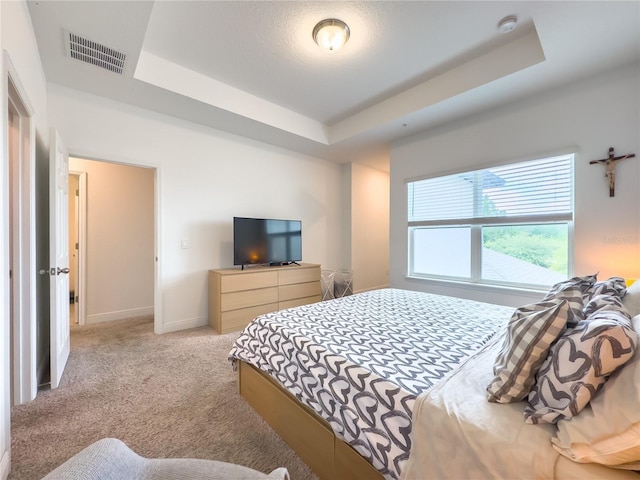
(536, 188)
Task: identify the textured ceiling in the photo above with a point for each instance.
(252, 68)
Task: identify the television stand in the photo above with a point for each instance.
(238, 296)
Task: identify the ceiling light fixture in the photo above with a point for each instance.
(507, 24)
(331, 34)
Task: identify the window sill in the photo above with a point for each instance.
(529, 292)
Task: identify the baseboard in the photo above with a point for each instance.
(119, 315)
(183, 324)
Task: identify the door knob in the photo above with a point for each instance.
(62, 270)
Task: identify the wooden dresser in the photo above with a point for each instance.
(238, 296)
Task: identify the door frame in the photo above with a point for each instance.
(82, 241)
(5, 320)
(157, 295)
(22, 229)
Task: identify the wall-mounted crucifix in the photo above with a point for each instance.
(610, 163)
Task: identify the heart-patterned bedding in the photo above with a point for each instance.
(585, 355)
(360, 361)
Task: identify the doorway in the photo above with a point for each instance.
(116, 232)
(74, 246)
(77, 247)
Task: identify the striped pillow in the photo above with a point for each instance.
(530, 332)
(575, 300)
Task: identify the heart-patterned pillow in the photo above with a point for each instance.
(614, 286)
(569, 364)
(604, 302)
(578, 364)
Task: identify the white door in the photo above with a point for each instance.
(59, 256)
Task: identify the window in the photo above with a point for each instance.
(507, 225)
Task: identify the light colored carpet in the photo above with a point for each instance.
(165, 396)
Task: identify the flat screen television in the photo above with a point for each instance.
(263, 240)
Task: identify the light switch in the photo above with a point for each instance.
(184, 244)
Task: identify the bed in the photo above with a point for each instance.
(354, 384)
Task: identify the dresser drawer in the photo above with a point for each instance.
(296, 302)
(238, 319)
(298, 290)
(298, 275)
(248, 281)
(251, 298)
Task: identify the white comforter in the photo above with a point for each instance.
(458, 434)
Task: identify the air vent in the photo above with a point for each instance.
(94, 53)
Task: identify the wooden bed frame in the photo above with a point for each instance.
(304, 431)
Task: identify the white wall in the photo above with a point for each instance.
(369, 239)
(587, 118)
(205, 177)
(120, 240)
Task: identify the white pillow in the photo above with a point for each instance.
(608, 431)
(631, 300)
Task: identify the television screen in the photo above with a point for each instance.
(262, 240)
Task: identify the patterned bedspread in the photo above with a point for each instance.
(360, 361)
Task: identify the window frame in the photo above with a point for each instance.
(476, 225)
